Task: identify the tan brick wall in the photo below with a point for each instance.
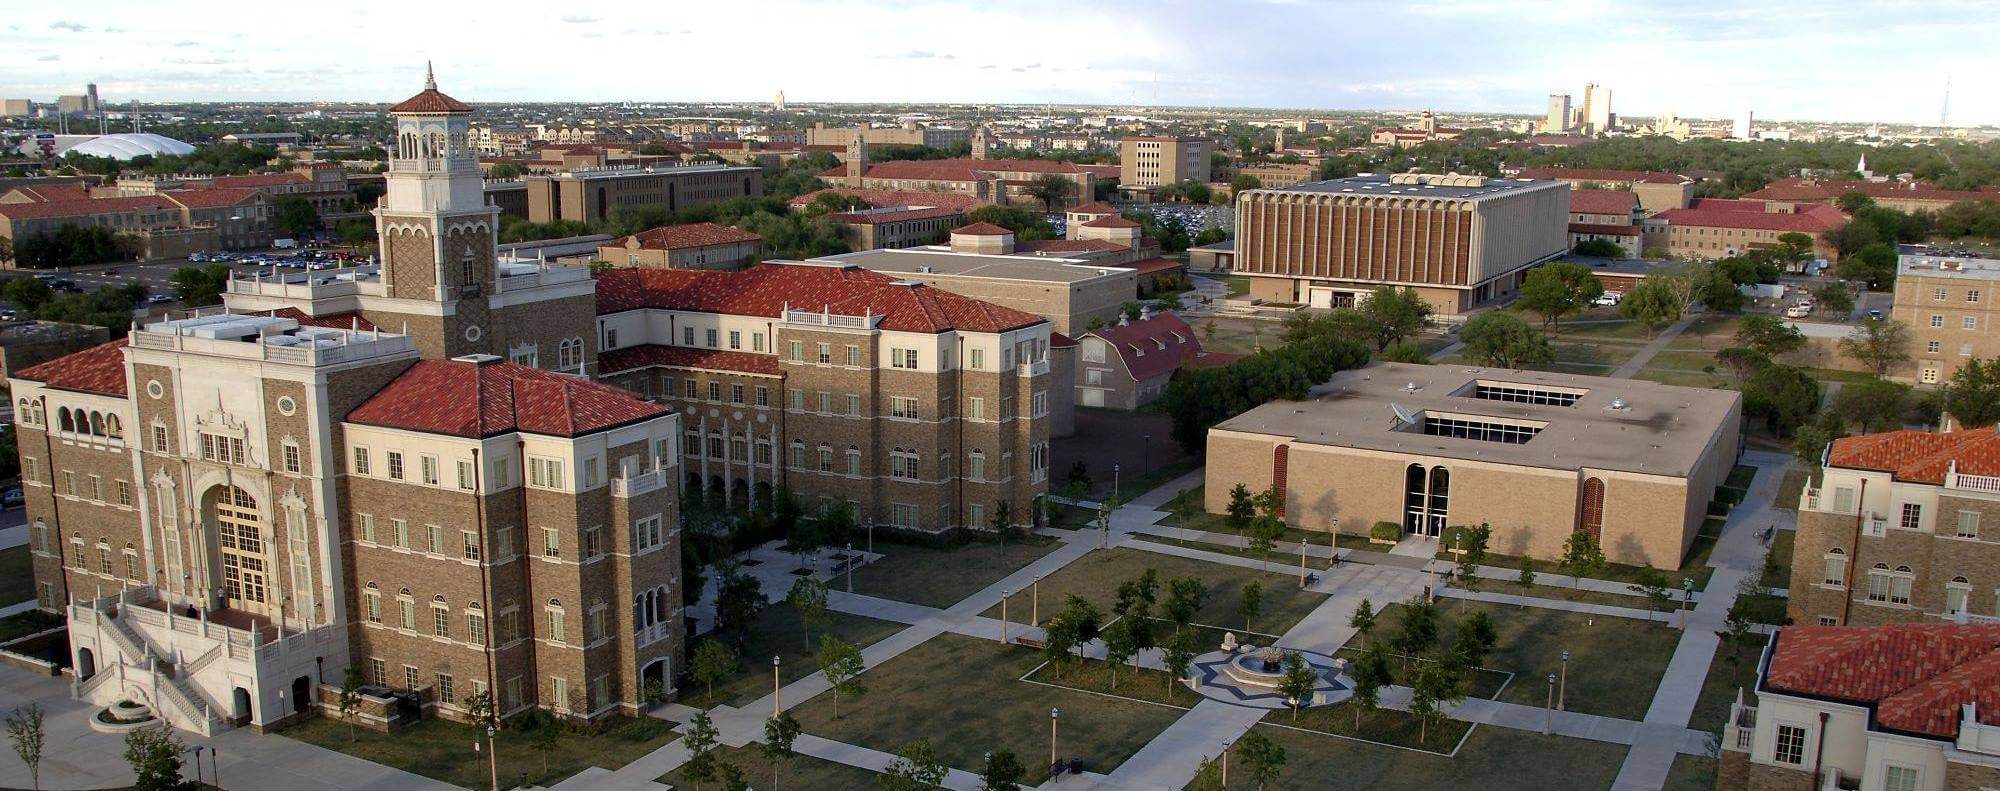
(410, 263)
(1970, 777)
(545, 324)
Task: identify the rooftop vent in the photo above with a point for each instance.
(1620, 404)
(477, 359)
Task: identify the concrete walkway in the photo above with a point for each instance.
(1645, 355)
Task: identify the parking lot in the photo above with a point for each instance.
(156, 274)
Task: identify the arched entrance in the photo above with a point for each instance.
(239, 705)
(86, 664)
(1592, 522)
(654, 681)
(232, 514)
(301, 694)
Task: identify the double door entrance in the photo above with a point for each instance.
(1426, 497)
(245, 579)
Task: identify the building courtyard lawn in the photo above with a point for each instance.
(1718, 690)
(777, 631)
(443, 750)
(1096, 576)
(966, 696)
(941, 576)
(799, 771)
(1695, 566)
(1492, 759)
(17, 575)
(1615, 663)
(1691, 773)
(1779, 573)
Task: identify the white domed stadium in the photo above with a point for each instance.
(124, 147)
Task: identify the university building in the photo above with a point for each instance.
(594, 193)
(1947, 302)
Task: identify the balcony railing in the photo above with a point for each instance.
(825, 318)
(1973, 483)
(638, 484)
(1034, 369)
(1810, 498)
(1742, 729)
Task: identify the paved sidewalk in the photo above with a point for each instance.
(1645, 355)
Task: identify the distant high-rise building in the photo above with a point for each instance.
(1558, 118)
(15, 107)
(779, 105)
(982, 143)
(1743, 129)
(1586, 112)
(90, 98)
(71, 104)
(1601, 118)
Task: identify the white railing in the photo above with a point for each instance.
(638, 484)
(207, 658)
(1974, 483)
(1810, 498)
(547, 275)
(178, 696)
(1034, 369)
(825, 319)
(356, 346)
(1742, 729)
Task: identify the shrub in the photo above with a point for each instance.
(1386, 531)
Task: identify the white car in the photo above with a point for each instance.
(1608, 298)
(1798, 311)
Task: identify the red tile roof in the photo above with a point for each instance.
(1920, 456)
(211, 198)
(1605, 175)
(431, 100)
(981, 229)
(766, 289)
(466, 399)
(1712, 213)
(956, 169)
(1058, 340)
(1803, 189)
(1916, 676)
(99, 369)
(65, 191)
(882, 199)
(1601, 202)
(1149, 346)
(894, 216)
(1113, 221)
(1151, 266)
(1604, 230)
(682, 237)
(631, 357)
(1069, 246)
(1100, 171)
(82, 208)
(1093, 208)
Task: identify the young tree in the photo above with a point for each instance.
(1263, 759)
(738, 595)
(1251, 602)
(544, 739)
(1185, 598)
(1370, 674)
(916, 767)
(1268, 525)
(1559, 289)
(155, 757)
(1178, 657)
(1418, 631)
(1526, 579)
(350, 696)
(1742, 361)
(1298, 682)
(1501, 339)
(1972, 398)
(1475, 639)
(1397, 314)
(779, 734)
(1002, 771)
(1835, 298)
(808, 596)
(842, 664)
(24, 729)
(1003, 522)
(1437, 684)
(1472, 545)
(1118, 647)
(1653, 304)
(702, 764)
(1770, 335)
(1051, 189)
(1880, 345)
(1582, 557)
(1242, 506)
(1793, 247)
(1364, 619)
(713, 662)
(1208, 776)
(1652, 584)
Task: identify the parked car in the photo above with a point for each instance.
(11, 498)
(7, 315)
(159, 299)
(1874, 315)
(284, 244)
(1608, 298)
(1798, 311)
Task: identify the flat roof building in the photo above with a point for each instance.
(1948, 304)
(1537, 455)
(594, 193)
(1148, 163)
(1460, 241)
(1069, 292)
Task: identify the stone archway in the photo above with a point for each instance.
(235, 526)
(86, 664)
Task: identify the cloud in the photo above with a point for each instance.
(187, 43)
(49, 58)
(1029, 67)
(579, 19)
(919, 54)
(114, 30)
(64, 24)
(200, 61)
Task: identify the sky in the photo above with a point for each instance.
(1824, 60)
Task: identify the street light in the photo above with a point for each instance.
(775, 688)
(850, 567)
(492, 759)
(1687, 595)
(1562, 694)
(871, 535)
(1549, 709)
(1004, 596)
(1114, 483)
(1225, 764)
(1146, 456)
(1054, 716)
(197, 763)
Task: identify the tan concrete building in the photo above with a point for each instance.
(910, 134)
(1909, 196)
(1901, 527)
(1947, 302)
(1461, 241)
(1536, 455)
(1610, 215)
(1427, 130)
(1906, 707)
(1001, 181)
(593, 194)
(1268, 174)
(1658, 191)
(165, 225)
(1071, 293)
(921, 409)
(1715, 228)
(701, 245)
(1148, 163)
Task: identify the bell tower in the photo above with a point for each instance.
(857, 159)
(437, 234)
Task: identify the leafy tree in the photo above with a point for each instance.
(1436, 684)
(1793, 247)
(1599, 248)
(1244, 182)
(294, 216)
(1419, 630)
(1742, 361)
(155, 757)
(1809, 440)
(1002, 771)
(350, 697)
(1475, 639)
(1242, 506)
(1118, 646)
(200, 285)
(738, 595)
(1559, 289)
(1874, 264)
(24, 729)
(916, 767)
(713, 662)
(1263, 758)
(27, 293)
(702, 764)
(1178, 656)
(1251, 602)
(6, 249)
(1472, 543)
(1835, 297)
(1769, 335)
(1582, 557)
(1873, 405)
(1972, 397)
(1880, 345)
(1185, 597)
(544, 739)
(842, 664)
(1003, 522)
(1652, 584)
(1782, 396)
(1363, 620)
(1652, 304)
(1398, 314)
(779, 734)
(109, 307)
(1268, 525)
(1501, 339)
(1720, 294)
(1298, 682)
(808, 596)
(1370, 673)
(1027, 226)
(1404, 352)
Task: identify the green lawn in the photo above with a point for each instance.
(1096, 576)
(1565, 593)
(1237, 335)
(937, 577)
(1764, 609)
(799, 771)
(17, 575)
(1615, 663)
(1683, 360)
(1156, 686)
(1780, 574)
(1711, 332)
(1599, 330)
(1219, 523)
(442, 750)
(1384, 726)
(1718, 690)
(1606, 355)
(1691, 773)
(966, 696)
(1695, 566)
(1238, 284)
(27, 623)
(777, 631)
(1493, 759)
(1789, 489)
(1681, 379)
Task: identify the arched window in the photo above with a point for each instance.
(1439, 499)
(112, 428)
(1413, 498)
(67, 422)
(1592, 522)
(569, 354)
(97, 424)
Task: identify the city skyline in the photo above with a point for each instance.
(1829, 62)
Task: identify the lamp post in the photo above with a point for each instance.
(214, 767)
(1146, 456)
(1114, 482)
(1302, 561)
(850, 567)
(1004, 596)
(492, 758)
(1562, 691)
(871, 535)
(1687, 595)
(776, 707)
(1055, 715)
(1549, 709)
(197, 763)
(1035, 602)
(1225, 764)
